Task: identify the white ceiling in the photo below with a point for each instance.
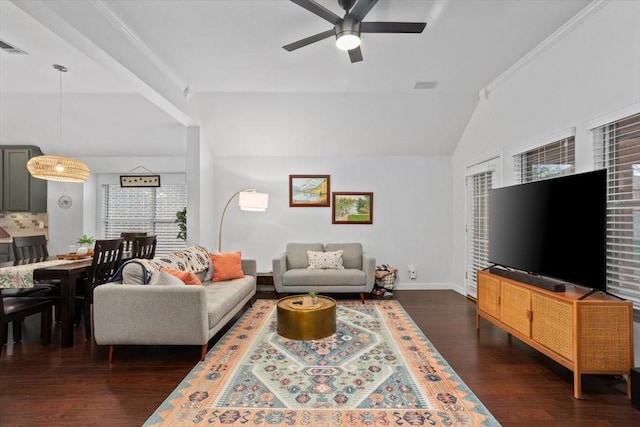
(130, 60)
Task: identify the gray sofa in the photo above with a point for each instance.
(291, 272)
(163, 312)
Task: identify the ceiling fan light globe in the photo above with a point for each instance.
(348, 41)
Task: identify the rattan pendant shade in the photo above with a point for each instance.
(58, 168)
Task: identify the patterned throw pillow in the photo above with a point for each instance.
(325, 260)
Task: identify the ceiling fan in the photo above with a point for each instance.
(347, 30)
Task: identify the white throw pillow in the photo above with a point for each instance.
(325, 260)
(165, 279)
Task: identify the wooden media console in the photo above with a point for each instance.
(589, 336)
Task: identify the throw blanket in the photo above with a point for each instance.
(195, 259)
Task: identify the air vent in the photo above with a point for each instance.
(425, 85)
(6, 47)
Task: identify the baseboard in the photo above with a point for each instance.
(425, 286)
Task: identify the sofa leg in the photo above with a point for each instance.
(362, 297)
(203, 352)
(111, 348)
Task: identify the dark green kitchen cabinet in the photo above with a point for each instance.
(19, 190)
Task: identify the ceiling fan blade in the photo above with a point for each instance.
(360, 10)
(311, 39)
(392, 27)
(355, 54)
(319, 10)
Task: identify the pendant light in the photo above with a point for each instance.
(58, 168)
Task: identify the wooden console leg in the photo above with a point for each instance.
(577, 385)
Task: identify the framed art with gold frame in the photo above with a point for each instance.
(309, 191)
(352, 208)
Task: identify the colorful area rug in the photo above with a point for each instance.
(378, 369)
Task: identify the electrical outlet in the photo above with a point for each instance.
(412, 272)
(41, 224)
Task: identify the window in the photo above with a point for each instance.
(549, 161)
(477, 188)
(144, 209)
(617, 148)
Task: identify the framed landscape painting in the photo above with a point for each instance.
(309, 190)
(352, 208)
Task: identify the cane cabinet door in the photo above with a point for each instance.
(515, 307)
(551, 324)
(489, 294)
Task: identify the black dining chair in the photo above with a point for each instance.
(128, 238)
(15, 309)
(30, 248)
(107, 255)
(144, 247)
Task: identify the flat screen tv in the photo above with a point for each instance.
(553, 228)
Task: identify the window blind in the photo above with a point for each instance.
(151, 210)
(549, 161)
(617, 148)
(477, 188)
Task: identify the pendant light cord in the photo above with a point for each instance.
(60, 127)
(61, 69)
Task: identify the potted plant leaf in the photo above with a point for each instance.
(314, 297)
(181, 220)
(85, 243)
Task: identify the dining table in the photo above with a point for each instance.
(63, 272)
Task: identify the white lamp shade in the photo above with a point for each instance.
(252, 201)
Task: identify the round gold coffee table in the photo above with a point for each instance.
(306, 323)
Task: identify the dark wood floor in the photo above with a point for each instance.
(49, 386)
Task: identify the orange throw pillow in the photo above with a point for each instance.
(187, 277)
(227, 266)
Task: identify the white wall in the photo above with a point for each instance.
(411, 210)
(593, 71)
(67, 225)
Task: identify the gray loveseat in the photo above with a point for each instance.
(166, 312)
(291, 272)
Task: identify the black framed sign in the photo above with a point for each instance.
(139, 180)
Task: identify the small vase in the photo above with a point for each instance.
(314, 300)
(82, 250)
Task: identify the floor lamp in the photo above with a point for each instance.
(248, 200)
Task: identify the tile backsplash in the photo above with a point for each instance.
(25, 223)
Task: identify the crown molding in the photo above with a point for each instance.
(546, 44)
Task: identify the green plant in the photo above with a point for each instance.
(86, 240)
(181, 220)
(313, 294)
